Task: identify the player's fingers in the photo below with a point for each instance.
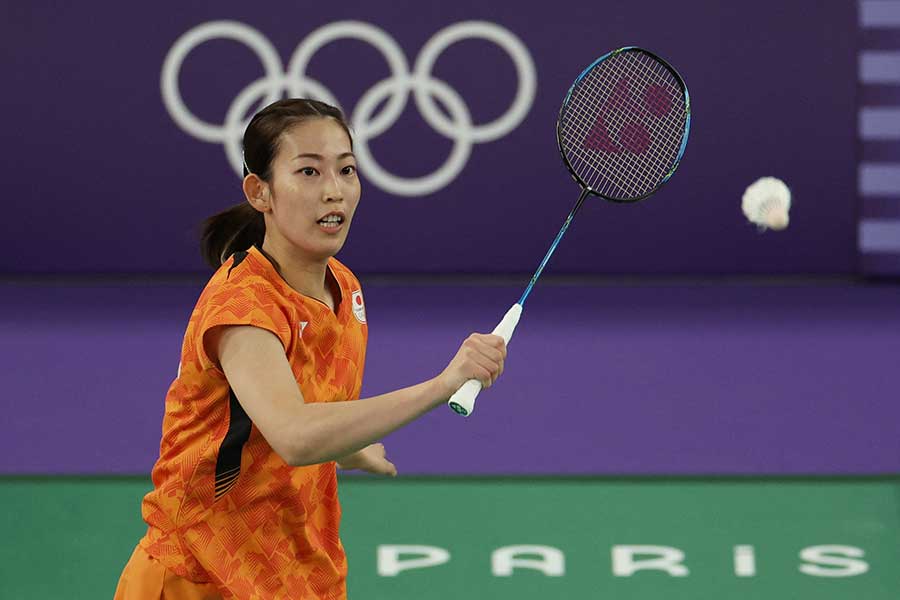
(490, 339)
(484, 367)
(391, 470)
(487, 348)
(484, 376)
(494, 364)
(493, 368)
(497, 342)
(480, 357)
(498, 372)
(495, 360)
(482, 373)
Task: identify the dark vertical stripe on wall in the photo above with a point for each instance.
(228, 462)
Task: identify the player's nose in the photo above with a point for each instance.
(331, 190)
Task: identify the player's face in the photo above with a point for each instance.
(315, 189)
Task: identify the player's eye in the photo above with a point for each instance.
(348, 170)
(308, 171)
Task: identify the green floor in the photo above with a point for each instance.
(69, 537)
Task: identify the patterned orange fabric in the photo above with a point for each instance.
(144, 578)
(225, 507)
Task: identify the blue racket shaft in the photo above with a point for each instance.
(621, 132)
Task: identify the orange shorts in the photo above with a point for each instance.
(144, 578)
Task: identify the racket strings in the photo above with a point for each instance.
(620, 104)
(623, 125)
(642, 159)
(658, 155)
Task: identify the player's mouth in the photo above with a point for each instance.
(332, 222)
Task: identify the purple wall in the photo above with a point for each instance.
(650, 379)
(106, 181)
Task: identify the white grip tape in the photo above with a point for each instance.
(463, 401)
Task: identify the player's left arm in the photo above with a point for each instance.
(371, 459)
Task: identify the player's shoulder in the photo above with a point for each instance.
(243, 275)
(343, 273)
(244, 265)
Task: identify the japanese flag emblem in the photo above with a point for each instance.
(359, 307)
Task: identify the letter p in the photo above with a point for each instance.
(391, 564)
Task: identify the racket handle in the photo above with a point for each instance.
(463, 401)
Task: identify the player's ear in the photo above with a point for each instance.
(257, 193)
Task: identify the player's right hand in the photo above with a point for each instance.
(480, 357)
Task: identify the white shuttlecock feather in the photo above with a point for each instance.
(766, 203)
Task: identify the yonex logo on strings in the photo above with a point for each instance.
(634, 136)
(396, 89)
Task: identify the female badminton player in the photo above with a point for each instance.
(264, 407)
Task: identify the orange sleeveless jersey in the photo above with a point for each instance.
(225, 507)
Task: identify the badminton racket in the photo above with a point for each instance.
(621, 131)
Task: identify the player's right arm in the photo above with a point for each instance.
(258, 372)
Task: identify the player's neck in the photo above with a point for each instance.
(309, 277)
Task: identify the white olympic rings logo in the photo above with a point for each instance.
(276, 82)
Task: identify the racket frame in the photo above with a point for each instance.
(684, 139)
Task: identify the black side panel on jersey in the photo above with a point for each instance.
(228, 461)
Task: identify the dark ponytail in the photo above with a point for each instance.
(242, 226)
(230, 231)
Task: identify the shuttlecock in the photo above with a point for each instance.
(766, 203)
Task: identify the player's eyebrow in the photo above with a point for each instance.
(315, 156)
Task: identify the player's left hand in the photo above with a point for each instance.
(370, 459)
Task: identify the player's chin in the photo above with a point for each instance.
(330, 244)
